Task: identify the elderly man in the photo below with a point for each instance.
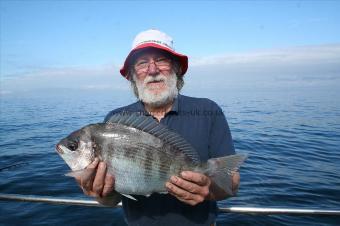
(156, 72)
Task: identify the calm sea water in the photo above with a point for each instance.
(292, 138)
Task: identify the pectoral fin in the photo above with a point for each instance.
(130, 197)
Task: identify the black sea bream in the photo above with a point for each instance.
(141, 153)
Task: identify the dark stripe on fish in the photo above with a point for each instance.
(148, 165)
(165, 164)
(130, 153)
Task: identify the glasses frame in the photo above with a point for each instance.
(162, 63)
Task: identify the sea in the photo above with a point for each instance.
(290, 134)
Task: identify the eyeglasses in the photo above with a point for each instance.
(162, 63)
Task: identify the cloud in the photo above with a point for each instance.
(296, 66)
(5, 92)
(73, 78)
(296, 55)
(306, 66)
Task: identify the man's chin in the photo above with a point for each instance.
(157, 99)
(154, 93)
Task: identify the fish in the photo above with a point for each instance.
(141, 154)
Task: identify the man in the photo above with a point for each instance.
(156, 72)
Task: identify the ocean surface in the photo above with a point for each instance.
(292, 137)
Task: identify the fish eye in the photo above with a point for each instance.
(73, 146)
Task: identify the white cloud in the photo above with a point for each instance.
(298, 66)
(75, 78)
(295, 55)
(5, 92)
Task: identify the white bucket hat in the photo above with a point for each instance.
(154, 39)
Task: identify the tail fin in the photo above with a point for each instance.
(221, 169)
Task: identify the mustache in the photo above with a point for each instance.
(158, 78)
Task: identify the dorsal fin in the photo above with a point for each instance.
(151, 126)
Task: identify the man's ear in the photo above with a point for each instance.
(177, 68)
(179, 71)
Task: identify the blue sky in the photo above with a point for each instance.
(55, 38)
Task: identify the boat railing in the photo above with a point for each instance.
(233, 209)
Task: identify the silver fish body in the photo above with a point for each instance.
(141, 154)
(140, 162)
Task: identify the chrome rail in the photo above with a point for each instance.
(51, 200)
(242, 210)
(276, 211)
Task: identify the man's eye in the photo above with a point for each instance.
(141, 64)
(161, 60)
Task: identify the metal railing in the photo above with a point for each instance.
(243, 210)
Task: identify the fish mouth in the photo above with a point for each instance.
(59, 149)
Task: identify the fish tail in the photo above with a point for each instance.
(221, 169)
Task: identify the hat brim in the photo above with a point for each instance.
(183, 59)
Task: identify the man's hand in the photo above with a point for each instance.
(96, 182)
(191, 188)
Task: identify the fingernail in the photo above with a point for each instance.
(168, 185)
(174, 179)
(102, 165)
(184, 174)
(95, 161)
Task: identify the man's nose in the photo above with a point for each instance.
(153, 69)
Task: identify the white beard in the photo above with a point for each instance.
(146, 95)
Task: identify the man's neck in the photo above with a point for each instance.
(159, 112)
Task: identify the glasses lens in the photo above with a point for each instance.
(162, 63)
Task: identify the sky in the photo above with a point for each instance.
(82, 44)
